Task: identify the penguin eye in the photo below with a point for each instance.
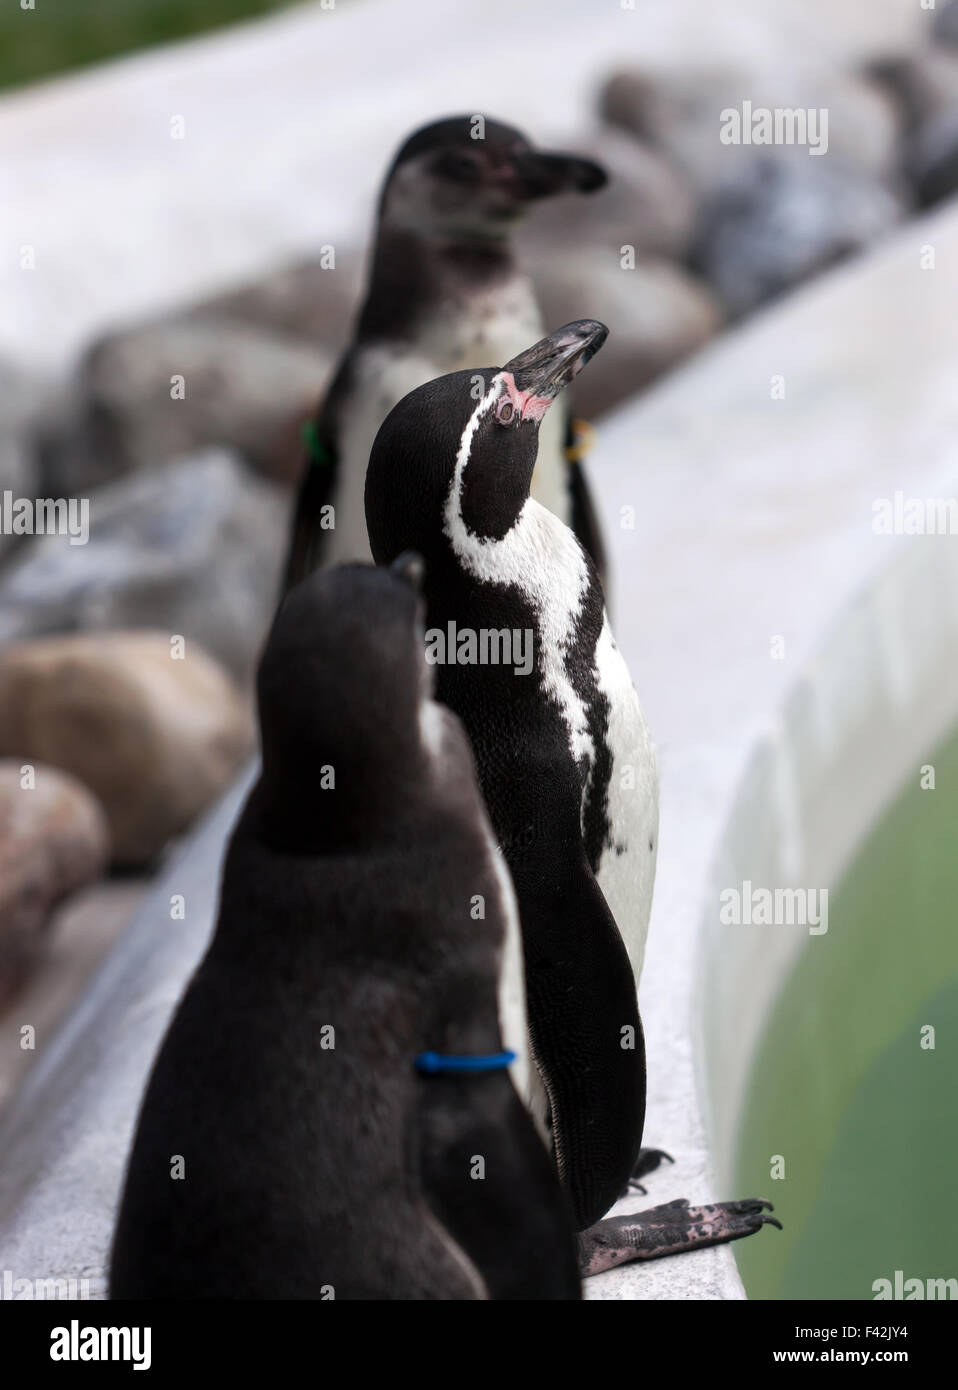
(505, 411)
(462, 168)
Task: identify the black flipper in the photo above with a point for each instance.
(668, 1230)
(586, 1036)
(585, 522)
(317, 487)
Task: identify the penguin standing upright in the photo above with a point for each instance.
(564, 759)
(335, 1076)
(444, 292)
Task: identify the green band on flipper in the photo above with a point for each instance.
(314, 446)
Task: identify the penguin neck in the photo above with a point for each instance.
(335, 806)
(491, 500)
(413, 273)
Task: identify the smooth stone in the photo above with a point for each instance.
(648, 204)
(243, 387)
(657, 313)
(307, 300)
(54, 840)
(193, 548)
(21, 401)
(680, 112)
(944, 28)
(925, 84)
(782, 222)
(155, 738)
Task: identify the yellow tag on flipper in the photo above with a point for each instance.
(583, 437)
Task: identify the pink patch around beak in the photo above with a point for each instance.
(529, 406)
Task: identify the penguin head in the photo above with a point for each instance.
(468, 178)
(343, 680)
(459, 452)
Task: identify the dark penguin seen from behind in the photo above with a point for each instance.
(564, 758)
(445, 292)
(319, 1158)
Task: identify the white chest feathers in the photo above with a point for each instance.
(542, 557)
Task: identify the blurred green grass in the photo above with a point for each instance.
(62, 34)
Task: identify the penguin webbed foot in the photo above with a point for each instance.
(647, 1162)
(668, 1230)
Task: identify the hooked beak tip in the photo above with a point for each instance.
(548, 366)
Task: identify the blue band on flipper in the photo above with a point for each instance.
(437, 1063)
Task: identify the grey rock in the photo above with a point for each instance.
(647, 203)
(925, 85)
(307, 300)
(193, 548)
(783, 221)
(22, 397)
(16, 477)
(657, 313)
(245, 388)
(21, 401)
(932, 159)
(945, 27)
(53, 840)
(680, 114)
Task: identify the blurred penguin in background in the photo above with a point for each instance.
(445, 293)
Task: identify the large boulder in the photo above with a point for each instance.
(194, 548)
(21, 401)
(647, 203)
(782, 221)
(312, 300)
(925, 84)
(945, 26)
(154, 735)
(53, 840)
(16, 478)
(150, 394)
(657, 313)
(681, 113)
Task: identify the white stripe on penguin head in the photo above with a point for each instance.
(543, 558)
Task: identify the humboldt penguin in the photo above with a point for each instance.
(331, 1114)
(445, 292)
(565, 762)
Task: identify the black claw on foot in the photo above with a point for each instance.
(669, 1230)
(647, 1162)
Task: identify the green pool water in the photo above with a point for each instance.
(865, 1118)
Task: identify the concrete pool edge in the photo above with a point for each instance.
(735, 525)
(812, 791)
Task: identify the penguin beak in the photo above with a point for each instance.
(540, 175)
(543, 370)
